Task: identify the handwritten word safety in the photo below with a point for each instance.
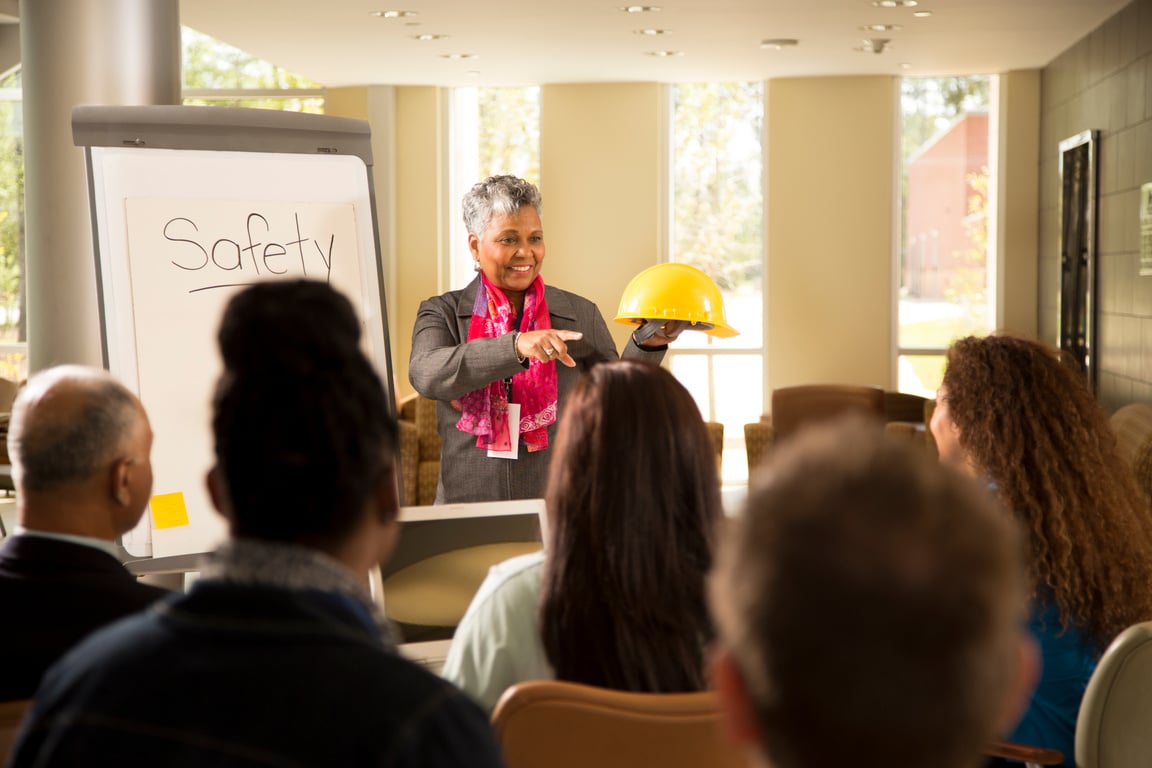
(264, 248)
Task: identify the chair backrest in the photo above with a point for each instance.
(567, 725)
(11, 715)
(1114, 728)
(1133, 427)
(903, 406)
(796, 407)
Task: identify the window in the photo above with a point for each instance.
(945, 279)
(717, 225)
(13, 328)
(494, 131)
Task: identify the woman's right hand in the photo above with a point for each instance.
(547, 344)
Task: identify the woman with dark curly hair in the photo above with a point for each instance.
(1016, 414)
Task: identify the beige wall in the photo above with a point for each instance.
(377, 105)
(420, 242)
(829, 159)
(601, 175)
(1018, 199)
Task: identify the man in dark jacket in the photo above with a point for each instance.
(79, 443)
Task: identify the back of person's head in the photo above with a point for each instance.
(870, 605)
(67, 424)
(1025, 418)
(632, 500)
(497, 196)
(301, 420)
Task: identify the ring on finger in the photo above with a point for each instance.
(549, 351)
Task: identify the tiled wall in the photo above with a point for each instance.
(1104, 82)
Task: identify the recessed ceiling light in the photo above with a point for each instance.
(663, 54)
(427, 36)
(459, 56)
(880, 27)
(640, 8)
(921, 14)
(874, 45)
(653, 32)
(905, 65)
(393, 14)
(894, 3)
(779, 43)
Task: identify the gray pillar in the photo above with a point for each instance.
(79, 52)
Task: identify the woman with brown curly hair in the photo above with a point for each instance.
(1017, 415)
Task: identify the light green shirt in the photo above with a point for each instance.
(497, 642)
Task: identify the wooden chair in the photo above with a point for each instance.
(1114, 728)
(11, 715)
(551, 724)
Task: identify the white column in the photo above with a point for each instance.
(116, 52)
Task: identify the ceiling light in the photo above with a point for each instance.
(459, 56)
(427, 36)
(921, 14)
(653, 32)
(663, 54)
(393, 14)
(640, 8)
(905, 65)
(880, 27)
(894, 3)
(779, 43)
(874, 45)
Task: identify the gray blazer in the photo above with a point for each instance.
(445, 367)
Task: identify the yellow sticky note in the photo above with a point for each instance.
(168, 510)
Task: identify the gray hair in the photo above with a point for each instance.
(54, 444)
(504, 195)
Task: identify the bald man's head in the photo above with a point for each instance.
(72, 428)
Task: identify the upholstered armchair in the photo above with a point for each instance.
(419, 450)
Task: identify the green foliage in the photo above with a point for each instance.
(717, 198)
(509, 132)
(12, 297)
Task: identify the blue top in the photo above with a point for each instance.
(1068, 660)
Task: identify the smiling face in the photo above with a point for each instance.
(510, 251)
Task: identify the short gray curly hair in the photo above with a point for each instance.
(503, 195)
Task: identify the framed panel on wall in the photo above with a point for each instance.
(1078, 214)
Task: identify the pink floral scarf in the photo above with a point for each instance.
(485, 410)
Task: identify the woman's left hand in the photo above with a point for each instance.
(668, 333)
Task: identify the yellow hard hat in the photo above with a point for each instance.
(675, 292)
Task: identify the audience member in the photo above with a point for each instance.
(79, 444)
(869, 607)
(1013, 413)
(277, 655)
(617, 597)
